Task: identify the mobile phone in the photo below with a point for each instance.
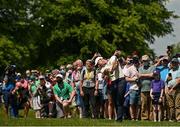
(169, 74)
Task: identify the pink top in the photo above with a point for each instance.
(23, 83)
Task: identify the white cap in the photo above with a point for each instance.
(145, 57)
(18, 74)
(59, 75)
(41, 77)
(28, 71)
(69, 66)
(97, 59)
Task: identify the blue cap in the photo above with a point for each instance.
(156, 72)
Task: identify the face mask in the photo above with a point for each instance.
(62, 72)
(175, 67)
(146, 64)
(70, 71)
(129, 62)
(88, 67)
(59, 81)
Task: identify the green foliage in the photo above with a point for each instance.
(176, 48)
(11, 52)
(53, 32)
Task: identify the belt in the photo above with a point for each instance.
(122, 78)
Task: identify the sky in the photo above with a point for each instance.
(161, 43)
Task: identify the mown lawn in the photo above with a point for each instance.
(31, 121)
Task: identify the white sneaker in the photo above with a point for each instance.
(69, 116)
(80, 116)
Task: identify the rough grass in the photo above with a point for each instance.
(31, 121)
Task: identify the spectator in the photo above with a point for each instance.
(22, 91)
(101, 98)
(35, 97)
(162, 66)
(28, 74)
(118, 84)
(146, 75)
(9, 97)
(63, 70)
(68, 77)
(131, 75)
(45, 92)
(156, 93)
(63, 94)
(88, 89)
(76, 77)
(173, 95)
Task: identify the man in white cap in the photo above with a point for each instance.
(146, 76)
(64, 94)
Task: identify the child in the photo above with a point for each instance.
(156, 93)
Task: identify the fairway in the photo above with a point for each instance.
(31, 121)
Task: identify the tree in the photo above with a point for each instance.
(58, 31)
(86, 26)
(176, 48)
(18, 33)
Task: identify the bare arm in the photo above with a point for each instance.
(177, 83)
(151, 93)
(114, 65)
(162, 91)
(15, 89)
(73, 85)
(150, 75)
(81, 90)
(81, 85)
(131, 79)
(72, 95)
(96, 84)
(58, 99)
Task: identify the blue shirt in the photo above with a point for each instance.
(9, 87)
(163, 71)
(157, 86)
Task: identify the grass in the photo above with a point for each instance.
(31, 121)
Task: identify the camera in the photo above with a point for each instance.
(169, 74)
(10, 73)
(169, 48)
(131, 61)
(121, 60)
(10, 70)
(135, 60)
